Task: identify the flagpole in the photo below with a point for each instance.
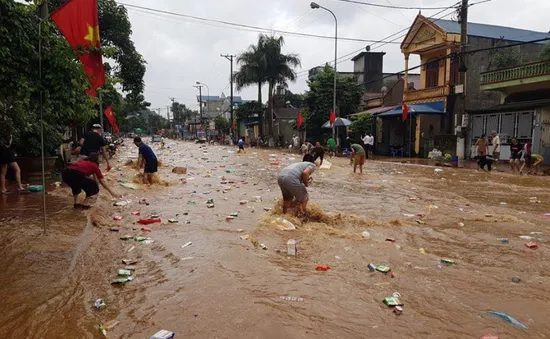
(100, 109)
(41, 104)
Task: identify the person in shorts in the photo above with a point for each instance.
(358, 157)
(332, 146)
(241, 146)
(516, 150)
(318, 152)
(293, 181)
(7, 158)
(93, 142)
(147, 159)
(496, 148)
(76, 176)
(535, 160)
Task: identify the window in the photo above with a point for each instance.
(432, 74)
(454, 77)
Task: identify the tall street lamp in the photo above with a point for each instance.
(315, 5)
(207, 93)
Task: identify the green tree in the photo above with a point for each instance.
(504, 58)
(279, 70)
(248, 110)
(63, 83)
(319, 99)
(222, 124)
(362, 125)
(296, 100)
(545, 53)
(252, 72)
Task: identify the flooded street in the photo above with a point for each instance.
(222, 286)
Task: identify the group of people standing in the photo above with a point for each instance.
(489, 155)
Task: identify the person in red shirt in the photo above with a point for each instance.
(76, 176)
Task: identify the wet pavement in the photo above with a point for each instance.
(222, 286)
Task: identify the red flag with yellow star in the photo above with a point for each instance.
(112, 120)
(78, 22)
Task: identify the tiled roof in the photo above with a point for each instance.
(491, 31)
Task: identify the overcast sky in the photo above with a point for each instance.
(180, 51)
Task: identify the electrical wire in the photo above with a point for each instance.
(390, 6)
(241, 26)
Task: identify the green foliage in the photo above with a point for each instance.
(182, 113)
(504, 58)
(262, 63)
(296, 100)
(248, 110)
(64, 82)
(319, 99)
(363, 124)
(545, 53)
(222, 124)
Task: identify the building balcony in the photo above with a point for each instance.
(427, 93)
(528, 74)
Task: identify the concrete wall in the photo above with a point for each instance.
(541, 144)
(481, 62)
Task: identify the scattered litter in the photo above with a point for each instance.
(243, 202)
(108, 327)
(322, 268)
(383, 269)
(121, 281)
(121, 203)
(526, 237)
(537, 233)
(136, 213)
(173, 221)
(263, 246)
(407, 215)
(291, 247)
(146, 229)
(489, 336)
(508, 318)
(131, 249)
(129, 185)
(187, 258)
(187, 244)
(390, 239)
(257, 198)
(503, 203)
(267, 209)
(366, 234)
(163, 334)
(392, 302)
(117, 217)
(284, 224)
(99, 304)
(126, 237)
(420, 222)
(129, 261)
(460, 224)
(36, 188)
(372, 267)
(504, 241)
(422, 251)
(124, 273)
(448, 262)
(516, 279)
(532, 245)
(287, 298)
(398, 310)
(438, 170)
(114, 229)
(149, 221)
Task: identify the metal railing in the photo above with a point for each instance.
(515, 73)
(427, 93)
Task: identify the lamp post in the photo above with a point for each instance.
(315, 5)
(207, 93)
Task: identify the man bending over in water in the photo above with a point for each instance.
(293, 181)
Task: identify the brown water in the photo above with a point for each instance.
(223, 287)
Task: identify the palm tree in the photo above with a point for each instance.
(279, 70)
(252, 72)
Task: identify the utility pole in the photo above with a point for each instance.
(200, 106)
(460, 89)
(168, 116)
(173, 116)
(233, 124)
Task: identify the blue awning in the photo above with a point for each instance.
(427, 108)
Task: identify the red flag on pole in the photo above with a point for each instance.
(332, 117)
(299, 120)
(405, 109)
(78, 22)
(112, 120)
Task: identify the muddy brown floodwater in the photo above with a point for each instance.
(222, 286)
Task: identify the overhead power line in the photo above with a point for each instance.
(243, 26)
(401, 7)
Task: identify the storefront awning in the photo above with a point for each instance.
(413, 110)
(373, 111)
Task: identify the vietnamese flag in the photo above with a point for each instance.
(78, 22)
(112, 120)
(299, 120)
(332, 117)
(405, 109)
